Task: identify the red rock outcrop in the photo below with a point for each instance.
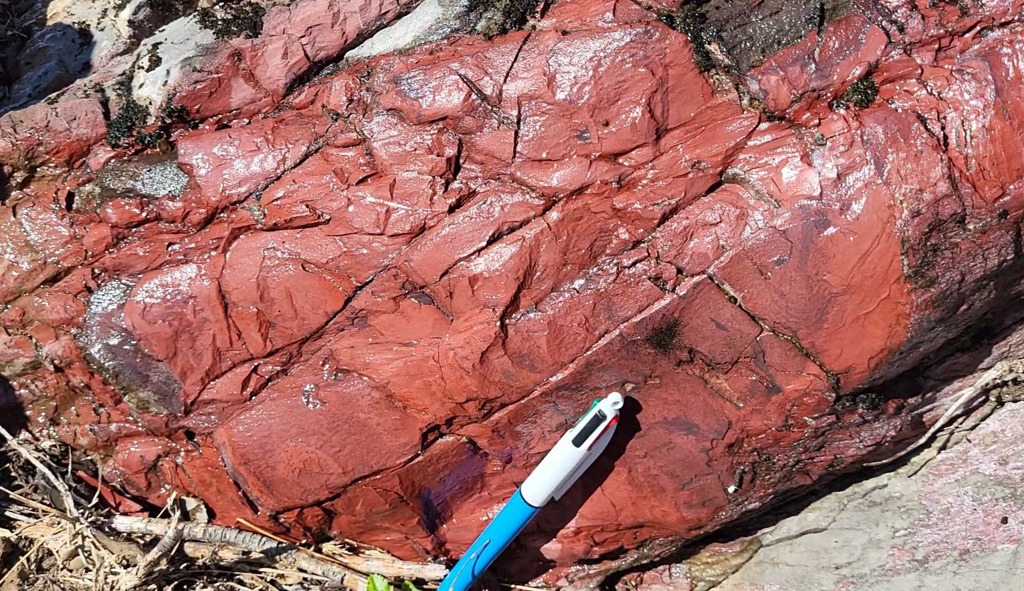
(371, 310)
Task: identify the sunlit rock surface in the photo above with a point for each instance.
(366, 302)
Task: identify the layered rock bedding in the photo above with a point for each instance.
(363, 298)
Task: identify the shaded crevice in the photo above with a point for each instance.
(735, 176)
(518, 128)
(545, 384)
(249, 501)
(301, 344)
(435, 432)
(519, 102)
(969, 326)
(515, 59)
(59, 274)
(312, 338)
(318, 143)
(456, 169)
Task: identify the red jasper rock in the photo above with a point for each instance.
(57, 134)
(372, 309)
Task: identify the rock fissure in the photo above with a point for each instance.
(733, 298)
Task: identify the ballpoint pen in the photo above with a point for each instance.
(555, 474)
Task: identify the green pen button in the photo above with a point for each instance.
(580, 420)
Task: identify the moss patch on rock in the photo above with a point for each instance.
(860, 94)
(663, 337)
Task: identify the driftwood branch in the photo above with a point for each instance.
(391, 568)
(226, 543)
(264, 549)
(216, 544)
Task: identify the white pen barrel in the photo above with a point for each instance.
(573, 453)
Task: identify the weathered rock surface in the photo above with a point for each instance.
(369, 304)
(948, 518)
(956, 525)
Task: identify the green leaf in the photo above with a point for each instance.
(378, 583)
(408, 586)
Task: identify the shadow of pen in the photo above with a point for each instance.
(523, 561)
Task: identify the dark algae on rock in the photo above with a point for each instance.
(662, 337)
(233, 19)
(690, 20)
(130, 114)
(740, 35)
(861, 93)
(498, 17)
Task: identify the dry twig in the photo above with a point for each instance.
(65, 494)
(1004, 373)
(21, 561)
(91, 552)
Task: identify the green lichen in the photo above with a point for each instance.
(831, 376)
(153, 59)
(961, 5)
(838, 463)
(126, 128)
(326, 71)
(331, 114)
(255, 208)
(869, 401)
(158, 138)
(862, 92)
(172, 113)
(660, 284)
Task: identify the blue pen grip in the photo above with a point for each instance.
(505, 526)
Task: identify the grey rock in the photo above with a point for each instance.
(957, 524)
